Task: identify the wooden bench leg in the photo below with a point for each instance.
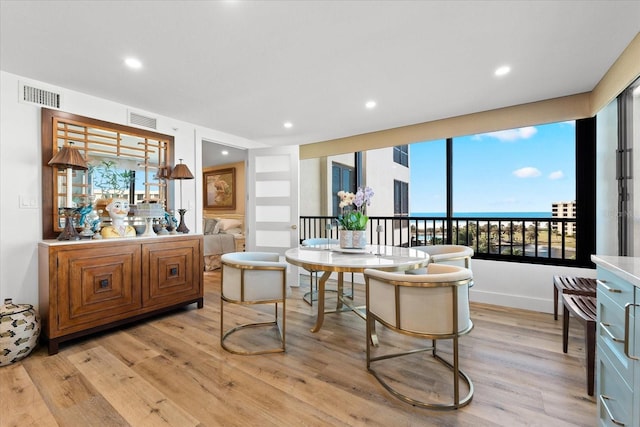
(555, 302)
(584, 309)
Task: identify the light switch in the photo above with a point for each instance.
(28, 202)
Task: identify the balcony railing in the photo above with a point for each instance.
(532, 240)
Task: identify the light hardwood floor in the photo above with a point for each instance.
(170, 370)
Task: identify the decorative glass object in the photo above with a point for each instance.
(353, 239)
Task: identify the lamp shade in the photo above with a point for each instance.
(181, 171)
(69, 157)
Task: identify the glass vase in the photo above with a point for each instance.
(353, 239)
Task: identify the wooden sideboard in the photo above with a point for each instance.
(91, 285)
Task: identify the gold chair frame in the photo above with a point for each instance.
(459, 253)
(458, 374)
(223, 299)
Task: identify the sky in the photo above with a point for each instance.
(518, 170)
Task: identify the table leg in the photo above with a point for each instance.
(320, 305)
(340, 291)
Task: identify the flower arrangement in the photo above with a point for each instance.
(354, 208)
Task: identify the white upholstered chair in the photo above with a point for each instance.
(250, 278)
(434, 306)
(458, 255)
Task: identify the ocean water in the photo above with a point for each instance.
(486, 214)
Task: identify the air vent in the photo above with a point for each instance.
(140, 120)
(34, 95)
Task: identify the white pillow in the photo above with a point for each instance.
(227, 223)
(232, 231)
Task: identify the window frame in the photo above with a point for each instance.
(401, 155)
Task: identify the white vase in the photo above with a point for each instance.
(353, 239)
(359, 239)
(346, 239)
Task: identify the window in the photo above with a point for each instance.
(428, 173)
(400, 198)
(343, 177)
(401, 154)
(513, 195)
(521, 171)
(629, 155)
(489, 179)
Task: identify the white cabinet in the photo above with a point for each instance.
(618, 344)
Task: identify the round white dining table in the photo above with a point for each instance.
(332, 259)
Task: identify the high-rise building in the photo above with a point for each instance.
(564, 210)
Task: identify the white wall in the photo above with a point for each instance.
(310, 188)
(380, 172)
(20, 174)
(519, 285)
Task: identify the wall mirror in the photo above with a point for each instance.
(123, 161)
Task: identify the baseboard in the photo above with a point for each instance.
(543, 305)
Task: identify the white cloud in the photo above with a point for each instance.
(513, 134)
(527, 172)
(556, 175)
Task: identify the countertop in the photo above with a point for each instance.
(626, 267)
(54, 242)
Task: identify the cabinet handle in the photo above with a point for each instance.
(627, 309)
(603, 400)
(608, 288)
(603, 326)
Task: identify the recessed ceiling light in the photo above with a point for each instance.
(133, 63)
(288, 125)
(225, 152)
(501, 71)
(370, 104)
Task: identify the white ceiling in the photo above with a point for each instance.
(246, 67)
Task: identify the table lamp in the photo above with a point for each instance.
(181, 172)
(69, 158)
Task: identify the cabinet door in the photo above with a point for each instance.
(610, 334)
(615, 405)
(634, 322)
(97, 285)
(171, 272)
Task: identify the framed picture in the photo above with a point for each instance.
(220, 189)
